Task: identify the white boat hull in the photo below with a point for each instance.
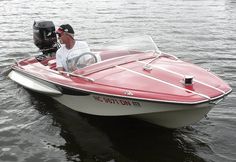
(171, 115)
(176, 119)
(33, 84)
(162, 114)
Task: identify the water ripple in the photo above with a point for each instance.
(35, 129)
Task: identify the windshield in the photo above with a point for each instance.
(121, 47)
(142, 43)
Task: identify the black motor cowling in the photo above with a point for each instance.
(45, 37)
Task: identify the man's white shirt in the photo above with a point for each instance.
(63, 54)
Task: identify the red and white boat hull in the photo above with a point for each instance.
(170, 115)
(164, 114)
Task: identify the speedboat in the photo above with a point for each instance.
(126, 77)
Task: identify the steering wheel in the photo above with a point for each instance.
(85, 59)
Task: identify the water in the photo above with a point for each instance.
(35, 128)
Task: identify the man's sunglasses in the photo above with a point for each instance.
(59, 32)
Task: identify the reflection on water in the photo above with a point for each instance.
(114, 138)
(35, 128)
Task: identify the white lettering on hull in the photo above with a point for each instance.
(116, 101)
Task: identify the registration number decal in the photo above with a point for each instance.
(109, 100)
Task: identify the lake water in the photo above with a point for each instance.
(36, 128)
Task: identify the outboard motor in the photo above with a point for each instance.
(45, 37)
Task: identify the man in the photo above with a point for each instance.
(69, 48)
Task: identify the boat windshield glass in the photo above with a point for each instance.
(143, 43)
(120, 47)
